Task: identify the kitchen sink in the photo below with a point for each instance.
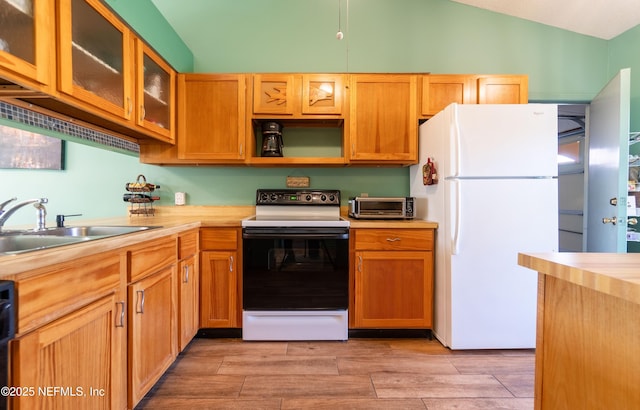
(12, 242)
(23, 243)
(101, 231)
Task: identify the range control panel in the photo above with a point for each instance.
(298, 197)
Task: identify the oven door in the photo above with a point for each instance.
(292, 269)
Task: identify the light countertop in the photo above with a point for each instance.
(615, 274)
(171, 219)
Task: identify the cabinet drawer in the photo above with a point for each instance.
(60, 289)
(187, 244)
(393, 239)
(218, 239)
(150, 257)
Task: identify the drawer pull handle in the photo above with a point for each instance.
(140, 301)
(186, 274)
(393, 239)
(121, 324)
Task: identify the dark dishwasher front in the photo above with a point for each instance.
(7, 331)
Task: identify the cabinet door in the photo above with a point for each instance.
(27, 40)
(78, 354)
(152, 331)
(322, 93)
(155, 91)
(393, 289)
(218, 289)
(438, 91)
(95, 56)
(211, 116)
(507, 89)
(274, 94)
(383, 118)
(189, 298)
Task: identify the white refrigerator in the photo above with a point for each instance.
(497, 195)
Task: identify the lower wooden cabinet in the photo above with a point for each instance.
(189, 288)
(189, 300)
(219, 284)
(152, 331)
(76, 361)
(392, 271)
(219, 289)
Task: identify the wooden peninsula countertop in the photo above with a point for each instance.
(613, 274)
(588, 332)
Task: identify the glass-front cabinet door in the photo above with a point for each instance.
(155, 91)
(27, 41)
(95, 61)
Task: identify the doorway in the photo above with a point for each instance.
(572, 154)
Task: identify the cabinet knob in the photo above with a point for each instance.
(612, 221)
(613, 201)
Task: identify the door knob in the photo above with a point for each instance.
(632, 221)
(613, 201)
(613, 220)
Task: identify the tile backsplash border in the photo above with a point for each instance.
(46, 122)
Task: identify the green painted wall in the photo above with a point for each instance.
(436, 36)
(624, 51)
(291, 35)
(147, 21)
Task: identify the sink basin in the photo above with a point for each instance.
(24, 243)
(101, 231)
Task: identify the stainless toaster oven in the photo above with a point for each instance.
(381, 207)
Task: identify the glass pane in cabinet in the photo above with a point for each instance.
(157, 93)
(17, 29)
(97, 54)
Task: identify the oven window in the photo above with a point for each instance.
(295, 273)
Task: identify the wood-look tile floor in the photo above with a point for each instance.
(356, 374)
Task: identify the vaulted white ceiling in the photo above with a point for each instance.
(598, 18)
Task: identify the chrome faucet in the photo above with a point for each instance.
(5, 203)
(41, 211)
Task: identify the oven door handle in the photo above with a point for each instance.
(301, 233)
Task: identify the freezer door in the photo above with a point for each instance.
(503, 140)
(492, 299)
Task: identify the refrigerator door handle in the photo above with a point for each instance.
(455, 130)
(455, 237)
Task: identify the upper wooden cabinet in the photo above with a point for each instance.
(298, 95)
(27, 42)
(439, 90)
(95, 63)
(155, 93)
(503, 89)
(211, 117)
(79, 59)
(383, 124)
